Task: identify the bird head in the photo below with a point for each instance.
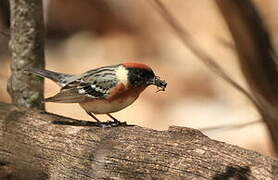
(140, 74)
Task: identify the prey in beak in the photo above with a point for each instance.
(160, 84)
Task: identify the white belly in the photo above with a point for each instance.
(104, 107)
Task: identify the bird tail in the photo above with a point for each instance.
(58, 78)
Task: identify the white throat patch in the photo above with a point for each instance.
(122, 73)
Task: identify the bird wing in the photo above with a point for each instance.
(94, 84)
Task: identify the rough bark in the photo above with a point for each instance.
(40, 145)
(27, 50)
(256, 58)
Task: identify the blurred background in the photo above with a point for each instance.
(86, 34)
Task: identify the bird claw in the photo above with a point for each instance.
(109, 124)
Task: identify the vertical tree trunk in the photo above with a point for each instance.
(27, 50)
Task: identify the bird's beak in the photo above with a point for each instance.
(161, 84)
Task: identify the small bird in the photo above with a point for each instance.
(103, 90)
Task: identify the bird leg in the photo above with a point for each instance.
(115, 122)
(114, 119)
(95, 118)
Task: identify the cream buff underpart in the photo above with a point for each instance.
(104, 107)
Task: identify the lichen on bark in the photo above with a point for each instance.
(27, 51)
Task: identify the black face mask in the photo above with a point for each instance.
(145, 77)
(140, 77)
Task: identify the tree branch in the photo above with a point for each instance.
(27, 50)
(256, 58)
(230, 126)
(192, 44)
(32, 146)
(255, 52)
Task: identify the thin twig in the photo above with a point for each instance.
(226, 43)
(256, 57)
(5, 33)
(230, 127)
(190, 42)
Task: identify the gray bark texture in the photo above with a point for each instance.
(27, 50)
(39, 145)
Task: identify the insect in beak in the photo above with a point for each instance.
(160, 84)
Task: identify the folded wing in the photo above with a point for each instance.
(94, 84)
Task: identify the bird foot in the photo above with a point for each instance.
(109, 124)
